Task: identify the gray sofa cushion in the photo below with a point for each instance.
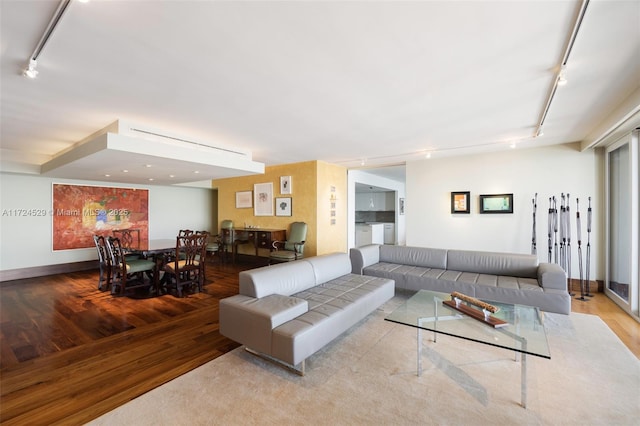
(414, 256)
(284, 278)
(329, 266)
(518, 265)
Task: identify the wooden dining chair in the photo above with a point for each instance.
(187, 268)
(104, 280)
(130, 241)
(129, 274)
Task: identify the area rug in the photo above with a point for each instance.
(368, 376)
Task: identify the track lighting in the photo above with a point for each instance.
(31, 71)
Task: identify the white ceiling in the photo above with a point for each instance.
(344, 82)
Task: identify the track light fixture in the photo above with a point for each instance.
(31, 70)
(561, 79)
(562, 76)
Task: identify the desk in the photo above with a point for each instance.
(259, 237)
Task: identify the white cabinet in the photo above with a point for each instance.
(369, 234)
(389, 233)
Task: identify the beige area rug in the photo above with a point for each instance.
(368, 376)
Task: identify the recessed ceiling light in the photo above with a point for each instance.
(172, 176)
(428, 155)
(107, 175)
(147, 165)
(150, 178)
(196, 172)
(125, 171)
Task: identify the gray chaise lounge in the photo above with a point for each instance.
(291, 310)
(502, 277)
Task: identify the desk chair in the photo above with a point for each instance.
(293, 248)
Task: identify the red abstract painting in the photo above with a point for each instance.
(80, 211)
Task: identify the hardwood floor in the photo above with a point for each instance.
(69, 353)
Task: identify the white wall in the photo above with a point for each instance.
(26, 241)
(547, 171)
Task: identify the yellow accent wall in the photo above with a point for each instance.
(311, 184)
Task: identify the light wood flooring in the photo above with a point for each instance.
(70, 353)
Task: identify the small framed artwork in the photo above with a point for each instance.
(496, 203)
(285, 184)
(263, 199)
(401, 206)
(244, 200)
(283, 206)
(460, 202)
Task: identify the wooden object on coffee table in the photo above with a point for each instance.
(476, 313)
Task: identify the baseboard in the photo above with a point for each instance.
(596, 286)
(40, 271)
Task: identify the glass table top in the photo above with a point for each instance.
(524, 333)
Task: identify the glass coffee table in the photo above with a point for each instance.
(524, 334)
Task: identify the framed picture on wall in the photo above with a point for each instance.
(460, 202)
(263, 199)
(283, 206)
(496, 203)
(285, 184)
(244, 200)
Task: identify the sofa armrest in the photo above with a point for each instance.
(249, 320)
(364, 256)
(552, 276)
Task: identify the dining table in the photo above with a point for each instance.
(160, 250)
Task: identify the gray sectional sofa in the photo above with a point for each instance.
(501, 277)
(291, 310)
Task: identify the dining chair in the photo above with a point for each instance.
(130, 241)
(104, 279)
(293, 248)
(129, 274)
(187, 268)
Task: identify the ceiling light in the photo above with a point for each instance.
(150, 178)
(172, 176)
(31, 71)
(196, 172)
(512, 145)
(428, 155)
(125, 171)
(147, 165)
